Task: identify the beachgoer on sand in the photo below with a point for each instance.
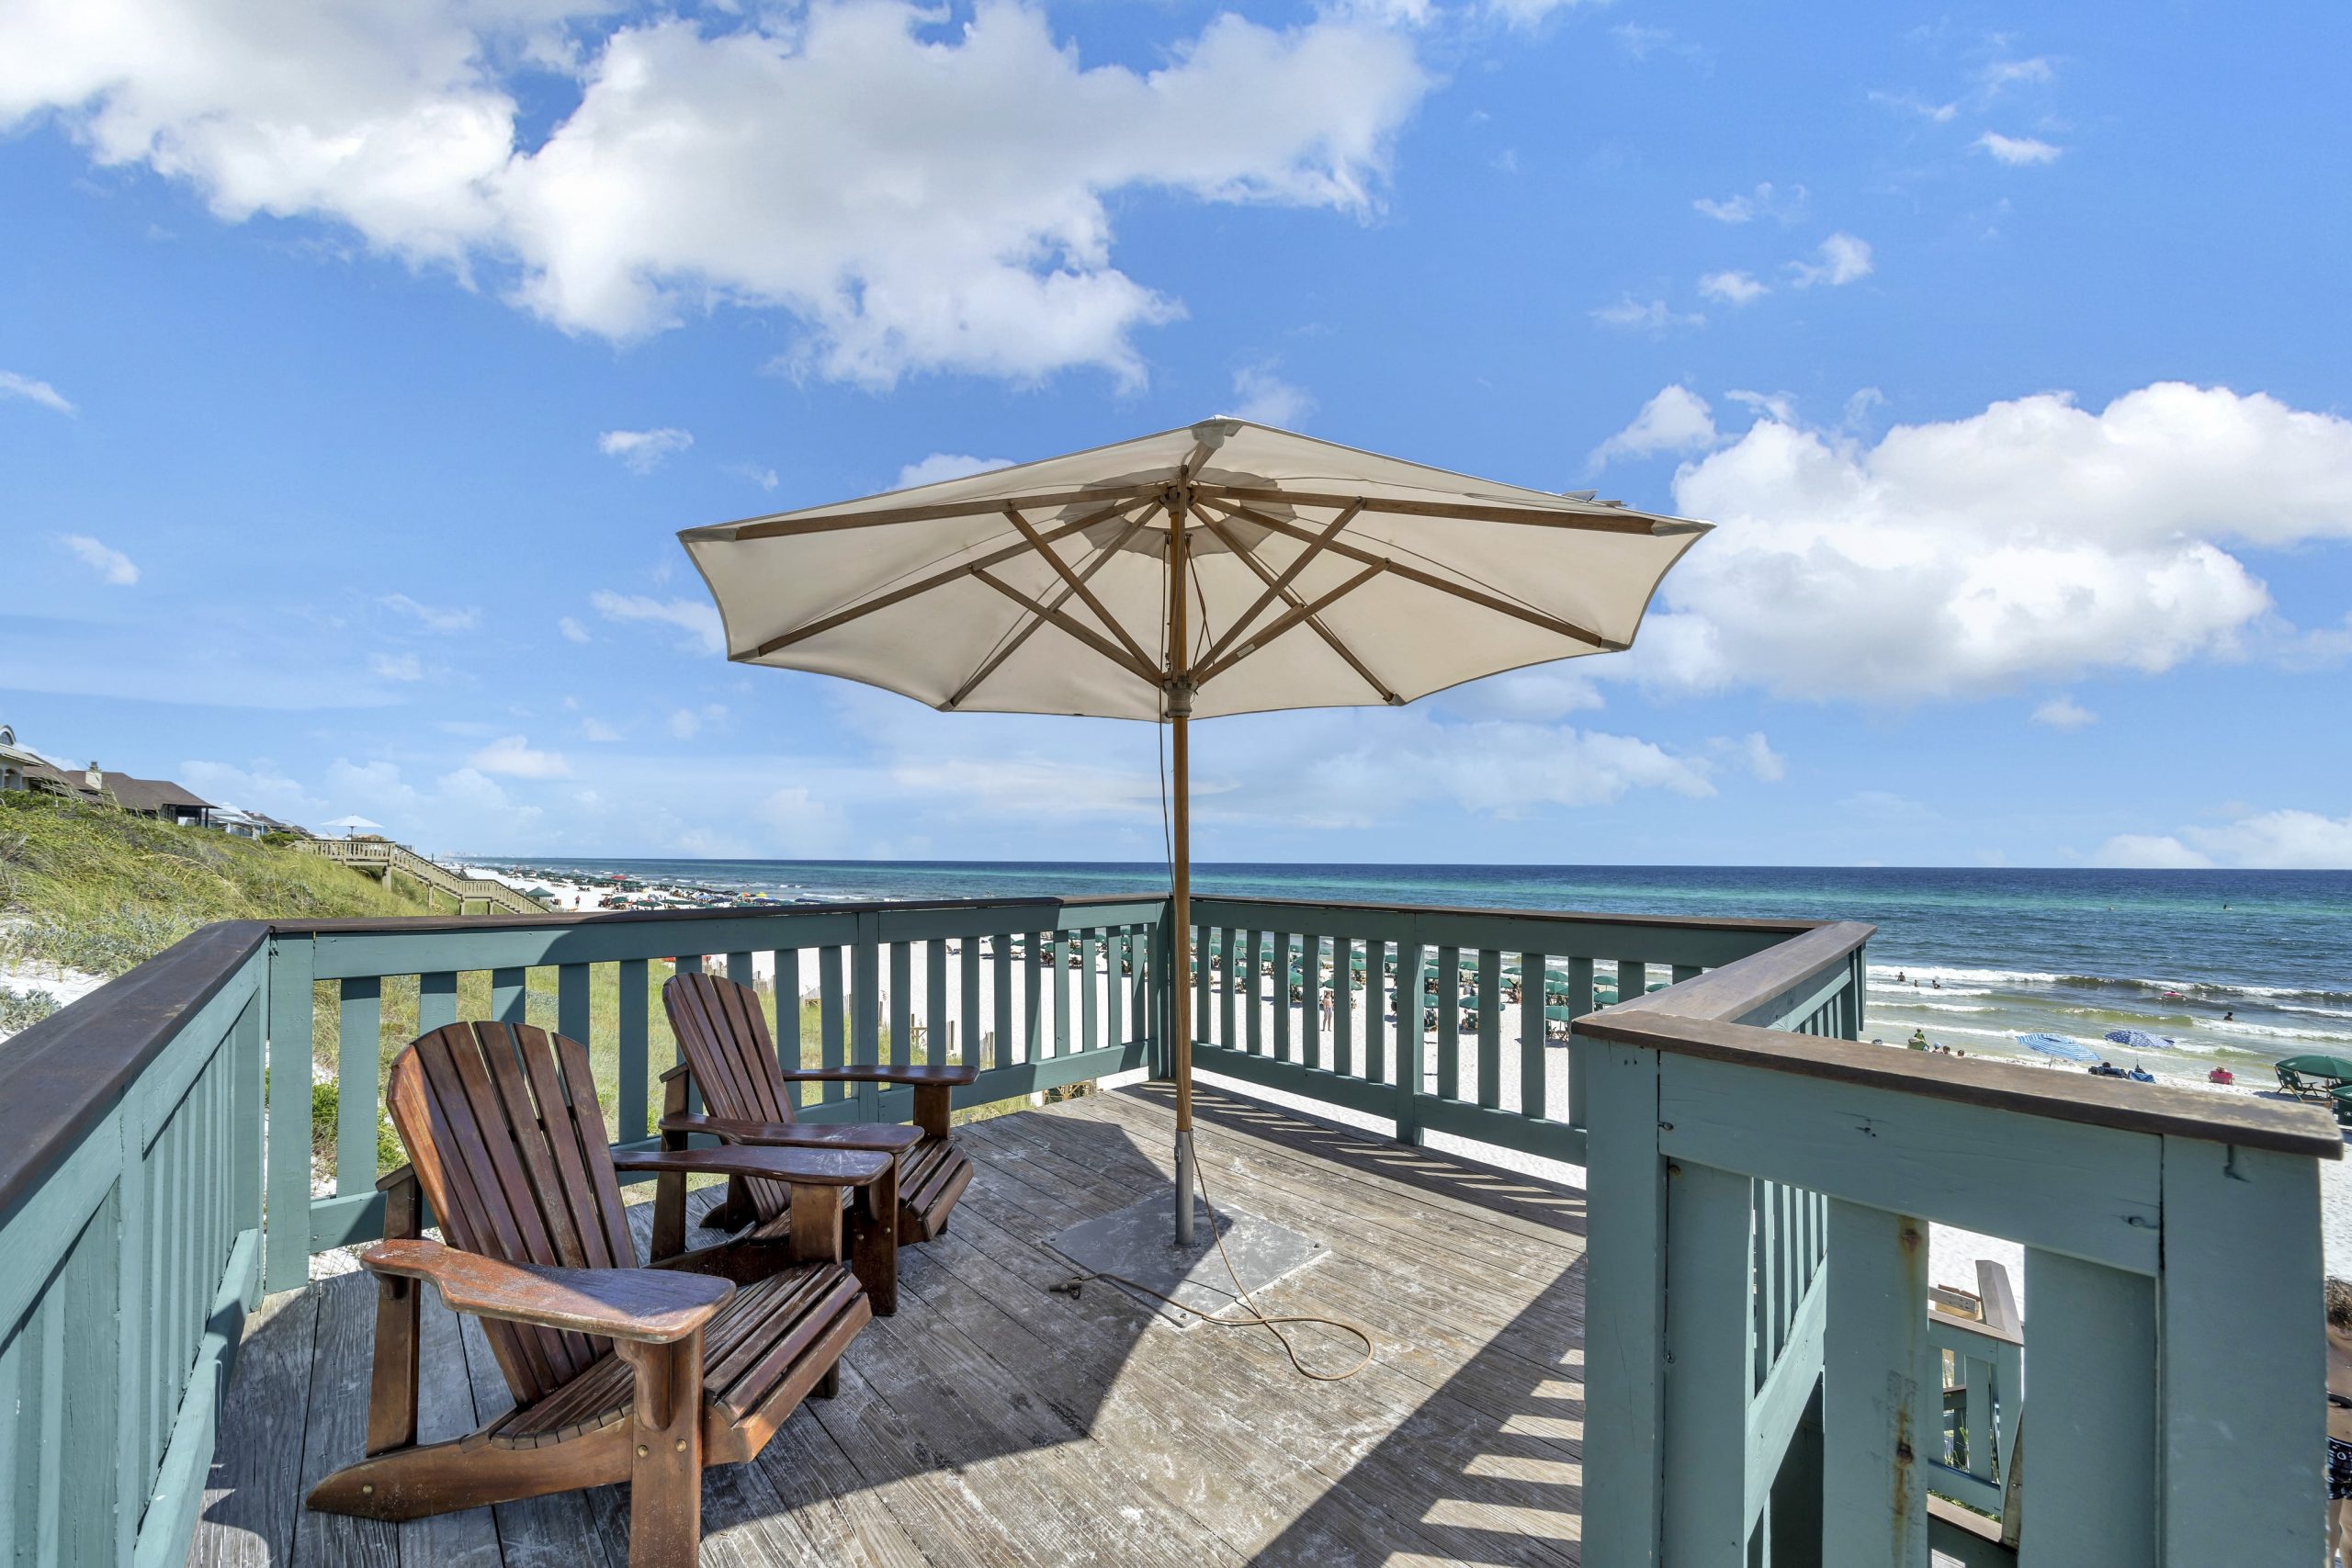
(2339, 1415)
(1327, 1012)
(1918, 1040)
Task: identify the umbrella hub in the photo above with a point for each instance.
(1179, 696)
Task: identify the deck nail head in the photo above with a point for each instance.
(366, 1489)
(642, 1450)
(681, 1445)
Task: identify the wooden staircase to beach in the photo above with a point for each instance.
(382, 858)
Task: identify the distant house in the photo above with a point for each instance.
(240, 824)
(14, 762)
(159, 798)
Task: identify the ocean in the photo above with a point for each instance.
(2237, 968)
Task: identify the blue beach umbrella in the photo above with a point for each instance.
(2058, 1045)
(2139, 1040)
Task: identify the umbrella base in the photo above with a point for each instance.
(1134, 1242)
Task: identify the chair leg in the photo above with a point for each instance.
(874, 1246)
(666, 1472)
(830, 1385)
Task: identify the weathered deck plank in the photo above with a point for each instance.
(995, 1423)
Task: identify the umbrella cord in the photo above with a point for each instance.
(1256, 1318)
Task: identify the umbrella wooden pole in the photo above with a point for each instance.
(1179, 911)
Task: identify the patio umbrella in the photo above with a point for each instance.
(1225, 567)
(2139, 1038)
(351, 824)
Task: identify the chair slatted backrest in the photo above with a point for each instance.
(725, 1035)
(502, 1125)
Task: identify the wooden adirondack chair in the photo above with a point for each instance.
(619, 1372)
(732, 1057)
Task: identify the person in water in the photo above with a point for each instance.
(2228, 1016)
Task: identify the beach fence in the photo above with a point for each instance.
(1761, 1376)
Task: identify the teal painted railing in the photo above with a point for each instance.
(1774, 1403)
(2171, 1352)
(1043, 993)
(1415, 1035)
(130, 1209)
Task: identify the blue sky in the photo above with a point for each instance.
(357, 365)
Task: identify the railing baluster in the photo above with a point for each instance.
(1089, 986)
(1116, 943)
(1060, 948)
(1225, 988)
(509, 995)
(1491, 1028)
(1200, 983)
(1375, 1009)
(633, 1041)
(967, 976)
(1282, 1002)
(1254, 1023)
(1344, 1005)
(740, 970)
(831, 1024)
(437, 1000)
(1410, 1042)
(1003, 1054)
(902, 1012)
(1880, 1389)
(1534, 1065)
(787, 1005)
(359, 1053)
(1633, 979)
(290, 966)
(934, 996)
(1035, 955)
(1448, 1021)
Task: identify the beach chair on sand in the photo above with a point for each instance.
(619, 1373)
(748, 1100)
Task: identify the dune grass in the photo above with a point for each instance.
(96, 889)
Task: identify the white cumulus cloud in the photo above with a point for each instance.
(2016, 151)
(1676, 419)
(517, 758)
(916, 192)
(1767, 200)
(1630, 314)
(942, 465)
(2063, 712)
(1841, 259)
(13, 385)
(434, 618)
(113, 568)
(642, 451)
(695, 618)
(1265, 398)
(1733, 288)
(2038, 540)
(2265, 840)
(396, 665)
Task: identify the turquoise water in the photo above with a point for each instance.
(2239, 967)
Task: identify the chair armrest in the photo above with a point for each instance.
(883, 1072)
(651, 1306)
(891, 1136)
(806, 1167)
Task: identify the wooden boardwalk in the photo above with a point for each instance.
(992, 1422)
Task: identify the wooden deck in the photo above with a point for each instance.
(992, 1422)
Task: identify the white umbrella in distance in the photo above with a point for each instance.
(1225, 567)
(356, 824)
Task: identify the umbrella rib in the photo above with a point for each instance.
(1550, 622)
(937, 580)
(1013, 640)
(1076, 628)
(832, 522)
(1290, 596)
(1470, 512)
(1297, 613)
(1078, 586)
(1275, 586)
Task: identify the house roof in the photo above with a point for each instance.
(131, 794)
(149, 794)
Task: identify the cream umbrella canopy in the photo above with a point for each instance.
(1225, 567)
